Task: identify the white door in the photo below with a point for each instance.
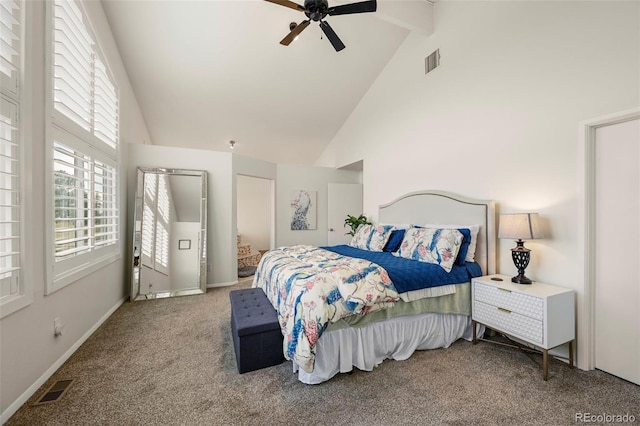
(617, 249)
(344, 199)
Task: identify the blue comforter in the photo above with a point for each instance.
(407, 274)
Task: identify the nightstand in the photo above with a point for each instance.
(540, 314)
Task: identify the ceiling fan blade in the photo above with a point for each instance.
(287, 3)
(332, 36)
(294, 33)
(360, 7)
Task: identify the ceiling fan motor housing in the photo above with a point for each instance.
(316, 9)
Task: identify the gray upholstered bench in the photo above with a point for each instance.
(257, 338)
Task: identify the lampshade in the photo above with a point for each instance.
(520, 226)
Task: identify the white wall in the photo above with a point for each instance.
(499, 119)
(293, 177)
(29, 351)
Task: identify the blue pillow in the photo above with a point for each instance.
(396, 239)
(464, 247)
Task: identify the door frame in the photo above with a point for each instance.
(586, 222)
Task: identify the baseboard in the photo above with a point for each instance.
(227, 284)
(10, 411)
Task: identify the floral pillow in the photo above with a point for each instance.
(369, 237)
(432, 245)
(361, 237)
(471, 250)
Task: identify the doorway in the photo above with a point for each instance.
(617, 254)
(254, 221)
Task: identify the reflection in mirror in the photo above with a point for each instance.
(169, 238)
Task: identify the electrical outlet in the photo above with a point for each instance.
(209, 267)
(57, 327)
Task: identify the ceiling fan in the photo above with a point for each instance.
(317, 10)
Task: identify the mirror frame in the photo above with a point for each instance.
(201, 287)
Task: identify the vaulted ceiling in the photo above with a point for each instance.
(210, 71)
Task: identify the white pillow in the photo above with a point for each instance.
(474, 229)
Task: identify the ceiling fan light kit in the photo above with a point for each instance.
(317, 10)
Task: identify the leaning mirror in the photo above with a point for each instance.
(170, 232)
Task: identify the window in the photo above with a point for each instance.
(14, 291)
(84, 148)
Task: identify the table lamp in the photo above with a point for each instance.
(520, 227)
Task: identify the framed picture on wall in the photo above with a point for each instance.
(184, 244)
(303, 210)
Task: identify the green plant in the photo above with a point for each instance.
(354, 221)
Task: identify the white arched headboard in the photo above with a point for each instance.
(445, 208)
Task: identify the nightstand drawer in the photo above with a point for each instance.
(522, 304)
(508, 321)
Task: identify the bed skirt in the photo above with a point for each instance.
(338, 351)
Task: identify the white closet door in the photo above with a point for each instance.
(617, 251)
(344, 199)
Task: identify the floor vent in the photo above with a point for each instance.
(432, 61)
(55, 392)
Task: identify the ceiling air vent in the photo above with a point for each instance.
(432, 61)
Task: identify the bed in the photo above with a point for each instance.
(339, 307)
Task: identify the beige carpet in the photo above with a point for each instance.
(171, 362)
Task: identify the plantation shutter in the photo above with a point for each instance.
(106, 106)
(162, 226)
(10, 30)
(10, 208)
(9, 201)
(85, 127)
(72, 174)
(105, 204)
(73, 59)
(149, 218)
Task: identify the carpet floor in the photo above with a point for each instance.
(171, 362)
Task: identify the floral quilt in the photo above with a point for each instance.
(311, 287)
